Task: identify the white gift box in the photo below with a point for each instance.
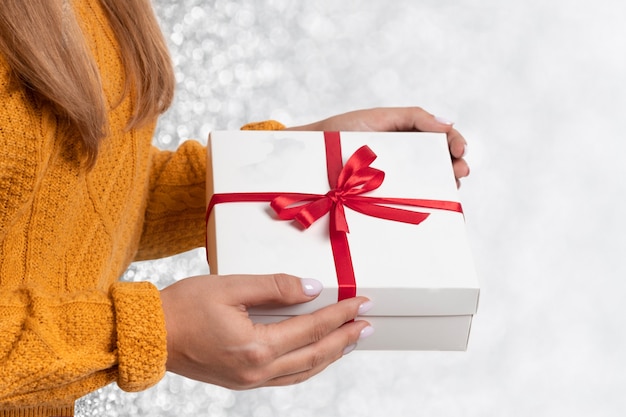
(421, 278)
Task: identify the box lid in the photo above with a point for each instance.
(407, 270)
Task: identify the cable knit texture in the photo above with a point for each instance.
(67, 326)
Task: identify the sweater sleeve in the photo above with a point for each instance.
(174, 217)
(55, 349)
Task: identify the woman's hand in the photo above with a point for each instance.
(399, 119)
(210, 337)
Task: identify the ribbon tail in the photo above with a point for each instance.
(387, 213)
(413, 202)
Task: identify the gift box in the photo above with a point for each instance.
(367, 213)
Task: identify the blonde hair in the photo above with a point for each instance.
(44, 45)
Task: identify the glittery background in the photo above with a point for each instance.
(538, 89)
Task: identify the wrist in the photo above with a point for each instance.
(170, 330)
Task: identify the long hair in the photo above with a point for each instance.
(44, 45)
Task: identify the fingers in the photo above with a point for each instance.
(418, 119)
(461, 169)
(305, 345)
(300, 347)
(302, 364)
(458, 149)
(304, 330)
(384, 119)
(398, 119)
(457, 144)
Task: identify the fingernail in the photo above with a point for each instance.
(365, 307)
(443, 120)
(311, 287)
(349, 349)
(366, 332)
(464, 151)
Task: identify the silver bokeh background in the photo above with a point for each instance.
(538, 88)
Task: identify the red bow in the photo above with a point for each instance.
(347, 183)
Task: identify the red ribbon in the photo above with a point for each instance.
(347, 183)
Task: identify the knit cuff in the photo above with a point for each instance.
(37, 411)
(141, 337)
(266, 125)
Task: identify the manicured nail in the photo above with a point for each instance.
(349, 349)
(365, 307)
(366, 332)
(311, 287)
(443, 120)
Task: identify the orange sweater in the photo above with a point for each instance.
(67, 326)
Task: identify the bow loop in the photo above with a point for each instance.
(356, 177)
(362, 181)
(306, 209)
(362, 158)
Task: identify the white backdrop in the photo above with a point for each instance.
(539, 90)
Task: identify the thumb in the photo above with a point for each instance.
(272, 289)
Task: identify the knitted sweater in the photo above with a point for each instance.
(67, 326)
